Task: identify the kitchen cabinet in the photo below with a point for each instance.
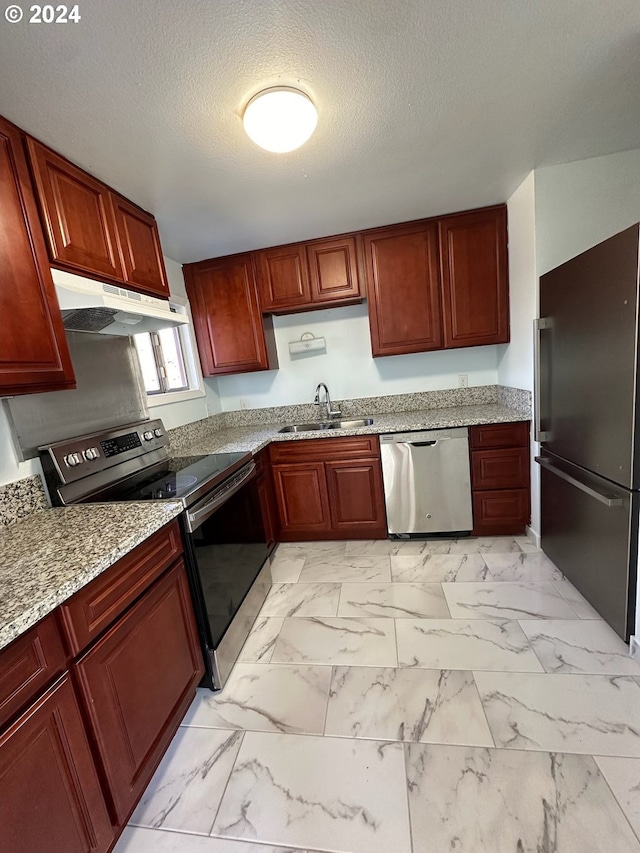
(90, 698)
(50, 795)
(404, 289)
(93, 231)
(307, 276)
(137, 682)
(34, 355)
(232, 335)
(500, 478)
(329, 489)
(139, 241)
(283, 278)
(267, 498)
(475, 291)
(439, 283)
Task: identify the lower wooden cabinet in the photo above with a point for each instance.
(329, 489)
(267, 498)
(500, 478)
(137, 682)
(356, 498)
(50, 796)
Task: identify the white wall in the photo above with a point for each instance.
(515, 365)
(580, 204)
(348, 367)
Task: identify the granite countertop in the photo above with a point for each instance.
(254, 438)
(52, 554)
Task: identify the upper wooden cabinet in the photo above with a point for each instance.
(232, 335)
(475, 293)
(93, 231)
(333, 271)
(438, 283)
(78, 214)
(139, 242)
(304, 276)
(283, 278)
(33, 348)
(404, 293)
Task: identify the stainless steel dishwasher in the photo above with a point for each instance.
(427, 482)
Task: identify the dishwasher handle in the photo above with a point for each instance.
(423, 443)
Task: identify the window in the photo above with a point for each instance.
(162, 361)
(168, 363)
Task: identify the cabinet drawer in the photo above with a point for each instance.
(100, 603)
(500, 513)
(499, 435)
(325, 449)
(506, 468)
(28, 665)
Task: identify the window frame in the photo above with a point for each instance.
(191, 362)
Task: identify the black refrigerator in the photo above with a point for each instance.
(586, 409)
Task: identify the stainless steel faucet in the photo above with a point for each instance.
(330, 413)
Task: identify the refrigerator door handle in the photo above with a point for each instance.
(607, 500)
(538, 325)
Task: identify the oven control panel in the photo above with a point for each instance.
(122, 443)
(77, 458)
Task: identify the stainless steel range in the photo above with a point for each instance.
(225, 541)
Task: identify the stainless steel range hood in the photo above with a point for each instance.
(107, 309)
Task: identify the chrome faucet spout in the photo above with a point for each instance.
(329, 411)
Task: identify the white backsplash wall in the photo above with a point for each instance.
(348, 367)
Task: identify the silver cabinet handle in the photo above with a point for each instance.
(538, 325)
(607, 500)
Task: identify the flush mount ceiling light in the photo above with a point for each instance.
(280, 119)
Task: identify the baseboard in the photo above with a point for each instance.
(533, 536)
(634, 647)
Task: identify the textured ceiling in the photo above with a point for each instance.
(425, 106)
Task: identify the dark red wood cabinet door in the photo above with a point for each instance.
(229, 328)
(137, 682)
(301, 492)
(283, 278)
(504, 468)
(50, 797)
(140, 249)
(475, 303)
(333, 270)
(78, 215)
(403, 289)
(356, 498)
(34, 355)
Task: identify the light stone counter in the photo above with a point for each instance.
(49, 556)
(254, 438)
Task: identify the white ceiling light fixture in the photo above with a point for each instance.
(280, 119)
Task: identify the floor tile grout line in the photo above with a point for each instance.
(613, 793)
(226, 784)
(484, 710)
(405, 750)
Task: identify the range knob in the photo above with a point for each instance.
(148, 435)
(72, 460)
(157, 432)
(91, 453)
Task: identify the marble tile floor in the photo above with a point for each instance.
(409, 697)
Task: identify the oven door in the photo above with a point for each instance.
(227, 552)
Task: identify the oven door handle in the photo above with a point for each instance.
(196, 517)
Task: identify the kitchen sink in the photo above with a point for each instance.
(321, 425)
